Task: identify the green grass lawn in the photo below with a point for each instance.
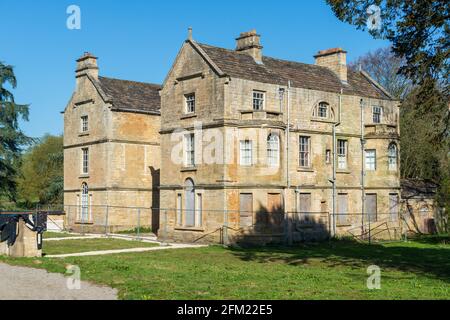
(334, 270)
(142, 231)
(86, 245)
(49, 234)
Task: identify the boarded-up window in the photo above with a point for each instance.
(274, 202)
(393, 206)
(371, 207)
(304, 206)
(276, 210)
(245, 210)
(342, 208)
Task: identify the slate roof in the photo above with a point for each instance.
(276, 71)
(131, 95)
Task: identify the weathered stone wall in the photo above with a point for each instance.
(417, 212)
(124, 163)
(226, 105)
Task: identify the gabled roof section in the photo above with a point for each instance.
(131, 96)
(276, 71)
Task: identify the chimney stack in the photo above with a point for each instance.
(334, 59)
(87, 65)
(249, 43)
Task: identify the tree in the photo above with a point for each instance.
(383, 66)
(424, 113)
(419, 31)
(12, 139)
(41, 174)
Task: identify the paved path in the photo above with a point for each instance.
(133, 250)
(19, 283)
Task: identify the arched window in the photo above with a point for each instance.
(323, 110)
(84, 202)
(189, 203)
(273, 150)
(392, 157)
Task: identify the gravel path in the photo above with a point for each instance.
(19, 283)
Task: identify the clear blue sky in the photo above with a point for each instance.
(138, 40)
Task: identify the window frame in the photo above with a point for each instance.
(246, 153)
(320, 107)
(84, 204)
(190, 103)
(304, 154)
(189, 150)
(367, 165)
(84, 161)
(261, 104)
(377, 117)
(392, 158)
(342, 158)
(273, 150)
(84, 124)
(179, 209)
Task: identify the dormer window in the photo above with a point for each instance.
(190, 103)
(258, 100)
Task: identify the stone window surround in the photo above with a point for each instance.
(377, 114)
(84, 124)
(341, 155)
(273, 150)
(84, 162)
(189, 103)
(329, 118)
(323, 110)
(189, 150)
(199, 219)
(84, 200)
(246, 160)
(308, 167)
(368, 165)
(258, 100)
(393, 157)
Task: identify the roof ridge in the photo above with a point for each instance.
(267, 57)
(302, 75)
(131, 81)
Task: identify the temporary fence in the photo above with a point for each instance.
(227, 226)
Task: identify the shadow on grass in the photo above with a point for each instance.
(435, 239)
(430, 262)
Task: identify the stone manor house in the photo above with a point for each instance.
(310, 149)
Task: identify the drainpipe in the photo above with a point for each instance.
(288, 180)
(334, 179)
(363, 169)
